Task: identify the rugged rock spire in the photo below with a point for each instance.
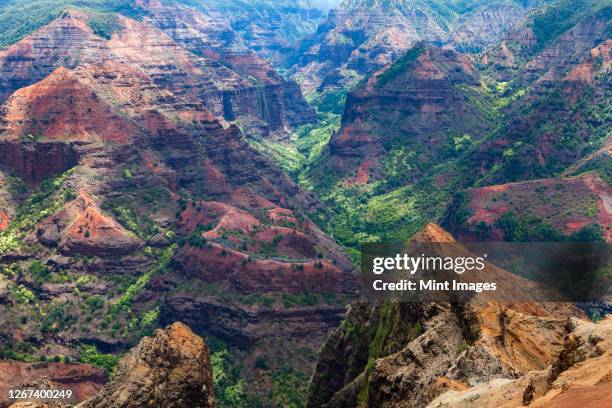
(171, 369)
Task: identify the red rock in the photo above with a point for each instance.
(82, 379)
(541, 198)
(80, 227)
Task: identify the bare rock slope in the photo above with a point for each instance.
(171, 369)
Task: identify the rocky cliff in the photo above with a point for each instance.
(361, 37)
(271, 29)
(131, 200)
(226, 93)
(170, 369)
(408, 107)
(210, 34)
(445, 355)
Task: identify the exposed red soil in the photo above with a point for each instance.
(291, 243)
(216, 177)
(62, 108)
(229, 220)
(245, 199)
(5, 220)
(283, 215)
(254, 267)
(363, 174)
(214, 263)
(353, 134)
(585, 72)
(225, 216)
(84, 380)
(543, 198)
(80, 227)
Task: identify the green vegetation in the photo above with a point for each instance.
(556, 18)
(107, 362)
(284, 154)
(125, 301)
(402, 65)
(131, 215)
(105, 25)
(57, 316)
(602, 165)
(288, 388)
(530, 229)
(20, 18)
(49, 197)
(303, 299)
(229, 392)
(398, 166)
(39, 271)
(25, 351)
(22, 295)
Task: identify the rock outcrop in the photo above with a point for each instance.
(408, 354)
(578, 377)
(170, 369)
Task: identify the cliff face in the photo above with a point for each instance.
(35, 161)
(487, 25)
(363, 36)
(438, 355)
(210, 34)
(127, 190)
(578, 377)
(409, 107)
(269, 28)
(170, 369)
(223, 91)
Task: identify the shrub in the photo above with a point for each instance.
(107, 362)
(105, 25)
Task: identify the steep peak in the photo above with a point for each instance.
(174, 360)
(432, 233)
(426, 62)
(61, 107)
(71, 17)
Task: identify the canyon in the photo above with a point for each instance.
(185, 186)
